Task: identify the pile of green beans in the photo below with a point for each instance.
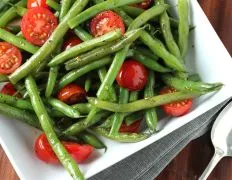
(94, 64)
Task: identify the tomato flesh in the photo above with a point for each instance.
(72, 41)
(144, 5)
(10, 58)
(133, 128)
(105, 22)
(8, 89)
(132, 75)
(71, 94)
(176, 109)
(36, 3)
(45, 153)
(37, 25)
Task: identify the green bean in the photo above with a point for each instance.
(111, 91)
(19, 9)
(181, 84)
(17, 41)
(81, 125)
(127, 19)
(11, 13)
(157, 47)
(53, 4)
(88, 83)
(147, 52)
(150, 63)
(92, 11)
(183, 28)
(93, 140)
(194, 77)
(100, 52)
(51, 81)
(4, 4)
(119, 117)
(14, 28)
(65, 6)
(82, 34)
(49, 46)
(133, 117)
(85, 46)
(150, 114)
(133, 96)
(167, 33)
(64, 108)
(3, 78)
(121, 137)
(154, 44)
(148, 102)
(45, 121)
(83, 108)
(19, 114)
(147, 15)
(132, 11)
(107, 122)
(129, 119)
(13, 101)
(76, 73)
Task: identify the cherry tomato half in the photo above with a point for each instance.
(72, 41)
(144, 5)
(36, 3)
(10, 58)
(132, 75)
(71, 94)
(8, 89)
(133, 128)
(105, 22)
(79, 152)
(176, 109)
(45, 153)
(37, 25)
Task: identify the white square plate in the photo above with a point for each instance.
(207, 56)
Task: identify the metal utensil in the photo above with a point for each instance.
(221, 136)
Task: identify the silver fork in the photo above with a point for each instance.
(221, 136)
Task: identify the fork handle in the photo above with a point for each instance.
(218, 155)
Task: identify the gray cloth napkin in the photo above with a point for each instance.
(147, 163)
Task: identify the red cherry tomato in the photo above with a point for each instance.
(79, 152)
(105, 22)
(176, 109)
(71, 94)
(133, 128)
(10, 58)
(144, 5)
(45, 153)
(72, 41)
(37, 25)
(8, 89)
(36, 3)
(132, 75)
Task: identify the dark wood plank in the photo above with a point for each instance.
(190, 163)
(6, 170)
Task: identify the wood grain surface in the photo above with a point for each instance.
(190, 163)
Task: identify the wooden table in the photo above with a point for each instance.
(190, 163)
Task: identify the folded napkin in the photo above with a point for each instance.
(147, 163)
